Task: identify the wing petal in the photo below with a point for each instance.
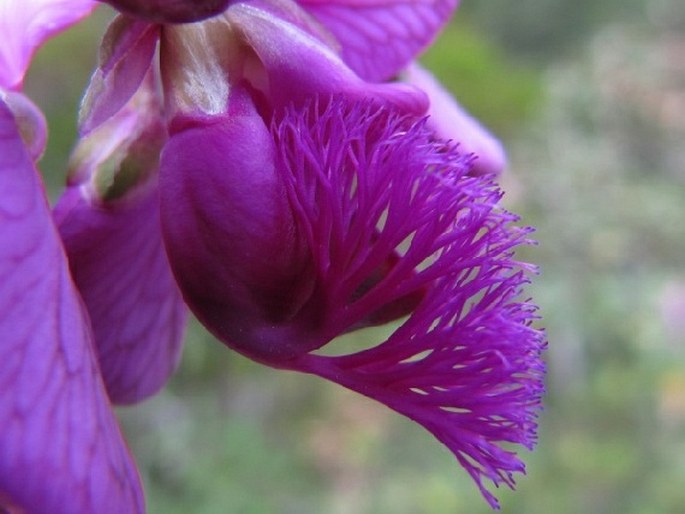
(109, 222)
(380, 37)
(61, 450)
(25, 25)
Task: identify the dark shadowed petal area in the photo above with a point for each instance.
(380, 37)
(370, 188)
(61, 451)
(108, 219)
(170, 11)
(27, 24)
(451, 122)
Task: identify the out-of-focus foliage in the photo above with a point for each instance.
(545, 29)
(497, 91)
(595, 127)
(604, 173)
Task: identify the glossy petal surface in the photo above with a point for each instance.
(60, 448)
(380, 37)
(227, 227)
(27, 24)
(296, 65)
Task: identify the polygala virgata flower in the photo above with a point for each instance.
(353, 216)
(270, 165)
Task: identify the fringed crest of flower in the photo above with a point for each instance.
(398, 227)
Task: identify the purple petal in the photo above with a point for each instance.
(125, 57)
(25, 25)
(289, 11)
(170, 11)
(29, 120)
(380, 37)
(298, 66)
(109, 222)
(60, 448)
(228, 229)
(451, 122)
(120, 267)
(369, 188)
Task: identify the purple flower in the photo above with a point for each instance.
(291, 193)
(119, 267)
(352, 216)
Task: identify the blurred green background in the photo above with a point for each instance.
(589, 98)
